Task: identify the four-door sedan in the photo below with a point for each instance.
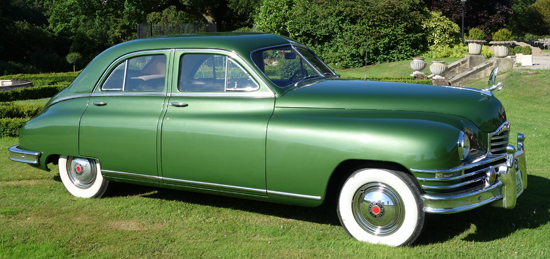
(260, 116)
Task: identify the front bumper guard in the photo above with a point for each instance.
(24, 156)
(512, 180)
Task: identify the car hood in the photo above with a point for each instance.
(484, 110)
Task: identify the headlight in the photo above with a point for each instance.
(463, 145)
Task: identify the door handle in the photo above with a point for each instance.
(99, 103)
(178, 104)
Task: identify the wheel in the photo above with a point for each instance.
(82, 177)
(382, 207)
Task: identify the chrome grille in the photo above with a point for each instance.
(498, 140)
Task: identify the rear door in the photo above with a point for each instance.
(120, 126)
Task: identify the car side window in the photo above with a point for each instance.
(213, 73)
(138, 74)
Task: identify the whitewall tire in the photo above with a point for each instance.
(82, 177)
(382, 207)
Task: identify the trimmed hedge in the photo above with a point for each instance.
(36, 92)
(10, 127)
(11, 110)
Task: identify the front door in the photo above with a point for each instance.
(213, 133)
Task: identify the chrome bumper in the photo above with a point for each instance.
(25, 156)
(510, 183)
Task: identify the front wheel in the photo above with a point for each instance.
(82, 177)
(382, 207)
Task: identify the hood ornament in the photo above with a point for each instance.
(492, 80)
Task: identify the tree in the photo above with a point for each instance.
(488, 15)
(541, 9)
(72, 58)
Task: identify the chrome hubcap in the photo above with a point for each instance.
(378, 209)
(81, 171)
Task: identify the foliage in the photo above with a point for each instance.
(10, 127)
(11, 110)
(337, 30)
(511, 52)
(456, 51)
(541, 12)
(440, 30)
(72, 58)
(502, 35)
(10, 67)
(476, 34)
(517, 49)
(526, 50)
(45, 85)
(488, 15)
(273, 17)
(522, 20)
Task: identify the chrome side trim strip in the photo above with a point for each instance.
(295, 195)
(217, 185)
(102, 94)
(225, 94)
(459, 196)
(75, 96)
(455, 177)
(232, 187)
(463, 208)
(150, 177)
(24, 156)
(462, 167)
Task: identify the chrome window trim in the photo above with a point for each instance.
(105, 94)
(307, 61)
(245, 71)
(108, 71)
(225, 186)
(224, 94)
(234, 56)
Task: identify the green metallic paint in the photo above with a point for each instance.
(304, 146)
(482, 109)
(285, 139)
(54, 130)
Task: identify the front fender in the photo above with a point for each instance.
(304, 146)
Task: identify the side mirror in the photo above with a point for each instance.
(492, 81)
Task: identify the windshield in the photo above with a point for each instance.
(285, 66)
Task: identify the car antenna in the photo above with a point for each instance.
(366, 56)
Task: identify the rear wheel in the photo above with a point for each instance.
(381, 206)
(82, 177)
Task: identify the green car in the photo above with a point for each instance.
(260, 116)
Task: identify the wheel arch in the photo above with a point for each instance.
(346, 168)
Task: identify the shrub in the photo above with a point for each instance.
(476, 34)
(526, 50)
(36, 92)
(11, 110)
(502, 35)
(440, 30)
(517, 49)
(10, 127)
(511, 52)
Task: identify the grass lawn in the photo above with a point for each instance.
(391, 69)
(546, 50)
(39, 219)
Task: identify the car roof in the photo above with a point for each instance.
(240, 43)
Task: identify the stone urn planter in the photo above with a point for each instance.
(438, 68)
(474, 46)
(500, 48)
(418, 64)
